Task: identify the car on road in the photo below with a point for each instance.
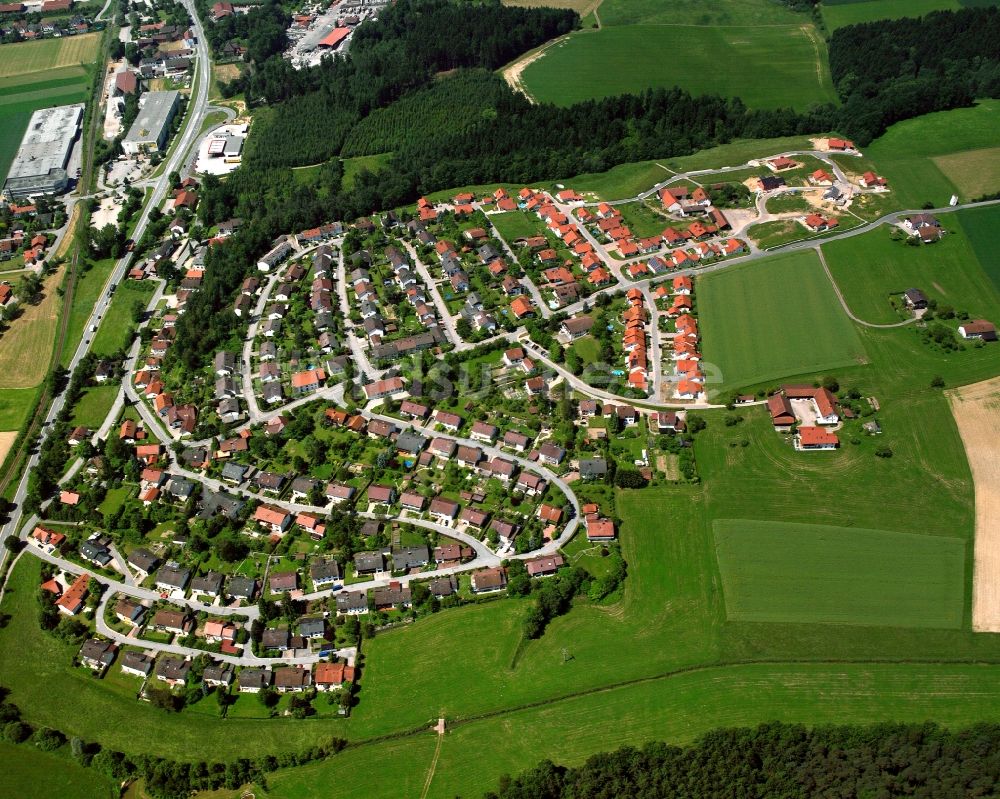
(129, 245)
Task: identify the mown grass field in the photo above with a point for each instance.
(775, 571)
(94, 405)
(838, 13)
(767, 67)
(872, 267)
(975, 173)
(29, 772)
(514, 225)
(15, 405)
(908, 152)
(25, 58)
(773, 319)
(116, 327)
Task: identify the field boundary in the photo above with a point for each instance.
(976, 409)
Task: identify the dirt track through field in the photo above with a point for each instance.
(977, 413)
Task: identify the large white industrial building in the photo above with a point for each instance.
(40, 164)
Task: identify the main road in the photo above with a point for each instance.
(196, 113)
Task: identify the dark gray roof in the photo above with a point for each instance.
(409, 557)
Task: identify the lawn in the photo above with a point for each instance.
(514, 225)
(588, 349)
(116, 328)
(838, 13)
(94, 405)
(642, 220)
(30, 772)
(909, 155)
(15, 405)
(774, 571)
(767, 67)
(872, 268)
(774, 318)
(89, 285)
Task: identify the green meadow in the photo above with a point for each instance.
(838, 13)
(776, 571)
(773, 319)
(962, 270)
(911, 155)
(766, 67)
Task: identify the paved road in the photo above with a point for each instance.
(444, 314)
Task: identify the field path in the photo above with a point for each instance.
(843, 302)
(434, 760)
(977, 414)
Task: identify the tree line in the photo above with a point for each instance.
(791, 761)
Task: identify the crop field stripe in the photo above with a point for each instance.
(852, 12)
(777, 571)
(981, 226)
(772, 319)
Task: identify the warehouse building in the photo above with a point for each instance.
(40, 164)
(151, 129)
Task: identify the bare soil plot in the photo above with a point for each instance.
(6, 442)
(977, 414)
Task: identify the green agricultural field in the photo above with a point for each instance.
(30, 772)
(767, 67)
(910, 153)
(980, 225)
(29, 58)
(89, 285)
(773, 319)
(775, 571)
(838, 13)
(872, 269)
(15, 405)
(94, 405)
(743, 13)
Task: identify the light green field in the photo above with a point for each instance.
(15, 405)
(975, 173)
(514, 225)
(871, 267)
(838, 14)
(115, 330)
(373, 163)
(94, 406)
(28, 58)
(906, 154)
(29, 772)
(772, 319)
(744, 13)
(767, 67)
(774, 571)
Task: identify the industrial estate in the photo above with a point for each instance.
(447, 399)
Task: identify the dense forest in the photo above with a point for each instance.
(891, 70)
(789, 761)
(417, 84)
